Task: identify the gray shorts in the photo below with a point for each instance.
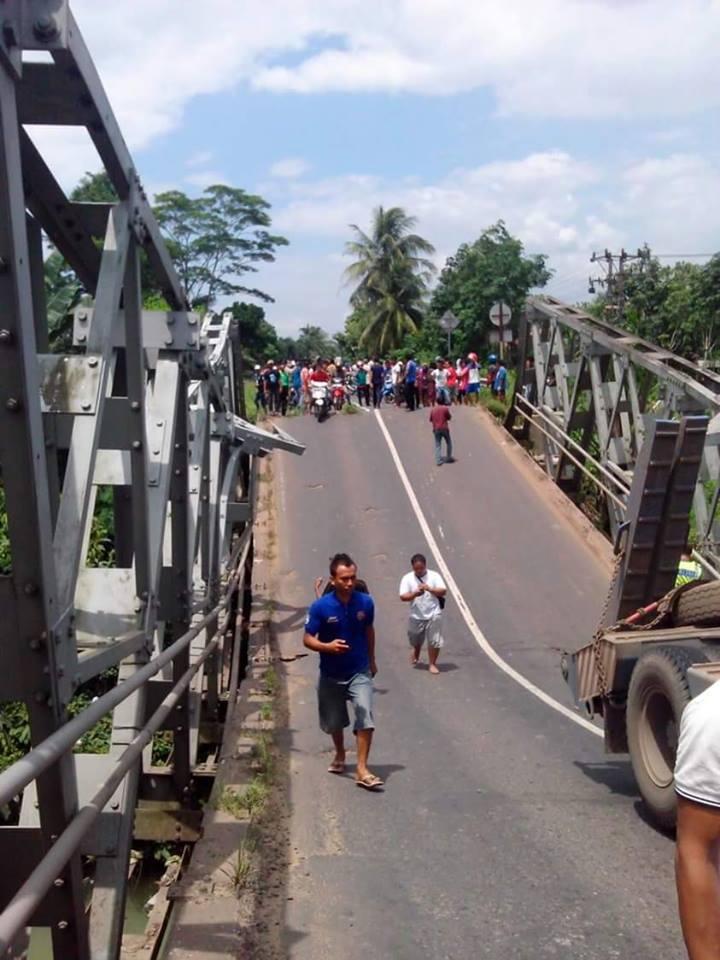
(420, 631)
(333, 697)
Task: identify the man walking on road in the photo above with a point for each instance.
(440, 418)
(697, 782)
(410, 383)
(340, 627)
(425, 591)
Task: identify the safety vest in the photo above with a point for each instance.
(688, 571)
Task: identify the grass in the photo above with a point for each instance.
(243, 862)
(250, 406)
(270, 682)
(265, 760)
(247, 802)
(266, 712)
(350, 409)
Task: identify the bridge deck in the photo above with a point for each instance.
(503, 832)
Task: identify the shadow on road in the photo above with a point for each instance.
(616, 775)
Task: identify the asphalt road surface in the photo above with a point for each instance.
(503, 831)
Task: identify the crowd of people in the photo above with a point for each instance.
(287, 385)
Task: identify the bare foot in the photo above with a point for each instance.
(414, 660)
(433, 669)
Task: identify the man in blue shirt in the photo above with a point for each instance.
(340, 627)
(410, 383)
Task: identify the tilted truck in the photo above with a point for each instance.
(656, 647)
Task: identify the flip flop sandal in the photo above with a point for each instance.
(336, 767)
(370, 782)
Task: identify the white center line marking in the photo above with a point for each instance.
(442, 532)
(454, 589)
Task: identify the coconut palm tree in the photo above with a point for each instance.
(390, 271)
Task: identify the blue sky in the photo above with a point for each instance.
(582, 123)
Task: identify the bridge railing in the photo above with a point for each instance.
(587, 388)
(137, 421)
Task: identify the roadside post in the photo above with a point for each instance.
(500, 315)
(449, 322)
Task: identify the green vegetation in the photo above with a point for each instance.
(391, 271)
(270, 682)
(676, 306)
(216, 238)
(493, 267)
(247, 802)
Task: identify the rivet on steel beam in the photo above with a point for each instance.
(115, 805)
(205, 477)
(81, 338)
(59, 882)
(168, 341)
(86, 405)
(5, 337)
(135, 405)
(30, 589)
(12, 404)
(136, 445)
(156, 453)
(92, 361)
(178, 473)
(63, 925)
(159, 423)
(40, 696)
(82, 316)
(34, 644)
(45, 27)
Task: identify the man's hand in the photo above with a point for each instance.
(335, 646)
(373, 667)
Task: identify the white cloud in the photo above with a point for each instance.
(549, 200)
(205, 178)
(199, 159)
(290, 168)
(547, 58)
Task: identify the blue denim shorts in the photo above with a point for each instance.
(333, 697)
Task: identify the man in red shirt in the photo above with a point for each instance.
(440, 418)
(319, 374)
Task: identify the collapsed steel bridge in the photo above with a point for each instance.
(585, 389)
(143, 409)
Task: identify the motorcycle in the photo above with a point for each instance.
(320, 396)
(338, 395)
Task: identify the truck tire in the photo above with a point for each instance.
(657, 696)
(699, 606)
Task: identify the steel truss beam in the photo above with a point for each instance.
(587, 389)
(144, 408)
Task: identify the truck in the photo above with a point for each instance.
(656, 647)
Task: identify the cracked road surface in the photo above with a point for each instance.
(503, 831)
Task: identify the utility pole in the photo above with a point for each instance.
(615, 274)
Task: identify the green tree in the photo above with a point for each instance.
(95, 188)
(676, 306)
(494, 267)
(258, 337)
(390, 271)
(215, 239)
(313, 342)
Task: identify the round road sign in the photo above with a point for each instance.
(448, 321)
(500, 312)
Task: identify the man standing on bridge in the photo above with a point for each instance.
(340, 627)
(425, 591)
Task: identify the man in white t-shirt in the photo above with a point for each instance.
(425, 591)
(697, 857)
